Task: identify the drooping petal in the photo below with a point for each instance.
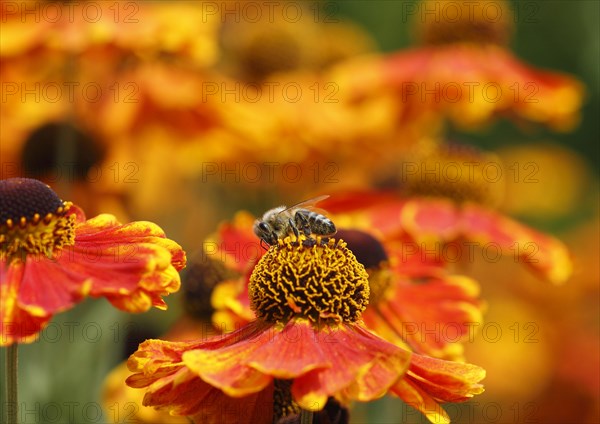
(132, 265)
(159, 366)
(433, 317)
(346, 362)
(292, 351)
(225, 369)
(416, 397)
(430, 381)
(365, 366)
(32, 292)
(446, 381)
(448, 74)
(544, 254)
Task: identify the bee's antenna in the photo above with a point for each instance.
(262, 244)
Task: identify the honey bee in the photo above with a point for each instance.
(283, 221)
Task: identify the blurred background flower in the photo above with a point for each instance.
(183, 113)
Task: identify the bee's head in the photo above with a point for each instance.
(264, 232)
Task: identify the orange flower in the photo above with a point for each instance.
(464, 72)
(197, 282)
(52, 257)
(236, 245)
(447, 227)
(148, 30)
(116, 392)
(414, 302)
(307, 344)
(346, 362)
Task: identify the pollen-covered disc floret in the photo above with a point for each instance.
(33, 219)
(319, 279)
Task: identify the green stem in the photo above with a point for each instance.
(306, 417)
(11, 383)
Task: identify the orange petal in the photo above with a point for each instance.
(416, 397)
(430, 221)
(546, 255)
(291, 351)
(445, 380)
(32, 292)
(430, 381)
(236, 244)
(222, 362)
(133, 265)
(363, 368)
(434, 316)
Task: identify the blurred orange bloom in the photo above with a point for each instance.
(464, 73)
(415, 301)
(48, 247)
(146, 29)
(447, 228)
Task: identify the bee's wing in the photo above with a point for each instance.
(307, 204)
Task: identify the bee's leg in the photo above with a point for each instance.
(309, 242)
(303, 223)
(273, 238)
(294, 228)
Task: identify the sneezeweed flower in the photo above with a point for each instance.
(307, 344)
(416, 304)
(198, 281)
(146, 30)
(52, 257)
(236, 246)
(463, 72)
(450, 231)
(264, 48)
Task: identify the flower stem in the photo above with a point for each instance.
(11, 383)
(306, 417)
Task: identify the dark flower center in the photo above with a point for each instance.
(370, 252)
(312, 278)
(198, 282)
(444, 21)
(33, 219)
(26, 197)
(367, 249)
(60, 149)
(283, 403)
(454, 171)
